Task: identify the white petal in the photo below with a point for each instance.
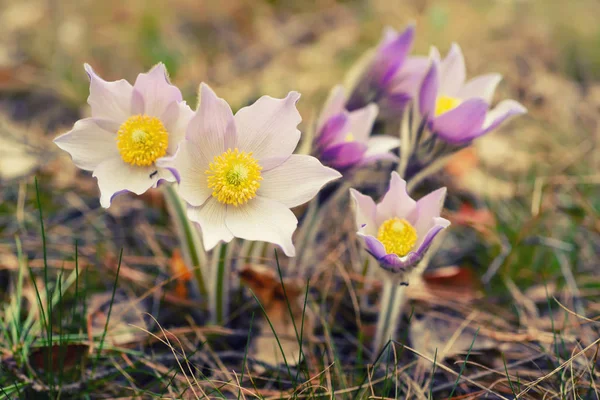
(396, 202)
(211, 218)
(190, 166)
(381, 144)
(176, 120)
(156, 90)
(109, 100)
(88, 144)
(503, 111)
(429, 207)
(212, 129)
(296, 181)
(267, 128)
(361, 122)
(452, 71)
(333, 105)
(115, 176)
(364, 211)
(265, 220)
(482, 86)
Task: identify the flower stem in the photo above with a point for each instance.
(189, 237)
(221, 285)
(392, 303)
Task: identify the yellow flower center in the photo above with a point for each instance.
(397, 235)
(445, 104)
(234, 177)
(141, 140)
(349, 138)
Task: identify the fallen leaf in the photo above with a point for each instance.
(181, 274)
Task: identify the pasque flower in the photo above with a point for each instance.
(131, 127)
(459, 111)
(238, 174)
(343, 138)
(390, 77)
(399, 230)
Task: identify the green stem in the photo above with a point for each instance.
(392, 304)
(220, 284)
(189, 237)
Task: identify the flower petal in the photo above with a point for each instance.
(116, 176)
(396, 202)
(395, 264)
(267, 128)
(176, 119)
(373, 246)
(463, 123)
(504, 110)
(364, 211)
(410, 76)
(452, 71)
(333, 105)
(390, 56)
(429, 91)
(344, 155)
(482, 86)
(88, 144)
(156, 90)
(211, 218)
(360, 122)
(381, 144)
(189, 166)
(265, 220)
(296, 181)
(332, 130)
(439, 224)
(428, 208)
(109, 100)
(212, 129)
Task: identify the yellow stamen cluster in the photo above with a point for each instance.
(349, 138)
(397, 235)
(141, 140)
(234, 177)
(445, 104)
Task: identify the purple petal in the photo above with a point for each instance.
(109, 100)
(333, 105)
(461, 124)
(268, 128)
(390, 57)
(156, 90)
(360, 122)
(410, 76)
(504, 110)
(395, 264)
(439, 224)
(296, 181)
(429, 91)
(452, 72)
(331, 130)
(373, 246)
(344, 155)
(396, 202)
(482, 86)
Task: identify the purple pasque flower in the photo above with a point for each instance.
(238, 174)
(459, 111)
(344, 138)
(389, 75)
(399, 230)
(130, 129)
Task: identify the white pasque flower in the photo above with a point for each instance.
(238, 174)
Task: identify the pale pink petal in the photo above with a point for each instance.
(156, 90)
(429, 90)
(88, 144)
(267, 128)
(190, 166)
(428, 208)
(482, 86)
(265, 220)
(296, 181)
(109, 100)
(115, 176)
(452, 72)
(212, 129)
(381, 144)
(396, 202)
(505, 110)
(364, 212)
(211, 218)
(176, 120)
(333, 105)
(361, 122)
